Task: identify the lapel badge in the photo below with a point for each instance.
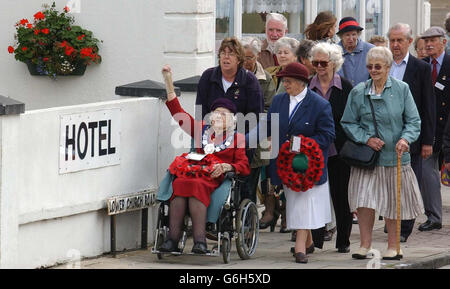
(444, 77)
(236, 94)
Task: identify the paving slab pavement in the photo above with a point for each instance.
(423, 250)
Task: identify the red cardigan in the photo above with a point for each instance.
(234, 155)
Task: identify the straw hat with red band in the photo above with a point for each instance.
(348, 24)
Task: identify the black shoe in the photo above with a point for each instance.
(200, 248)
(169, 246)
(344, 250)
(385, 229)
(428, 226)
(272, 223)
(211, 232)
(301, 258)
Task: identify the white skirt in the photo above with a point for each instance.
(308, 210)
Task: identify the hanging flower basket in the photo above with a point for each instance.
(51, 45)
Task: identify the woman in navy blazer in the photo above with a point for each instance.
(302, 111)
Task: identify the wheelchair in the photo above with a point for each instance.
(230, 215)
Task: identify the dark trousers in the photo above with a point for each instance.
(252, 184)
(338, 176)
(416, 164)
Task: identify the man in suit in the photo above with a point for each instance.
(417, 74)
(440, 74)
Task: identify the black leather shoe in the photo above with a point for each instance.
(169, 246)
(428, 226)
(344, 250)
(200, 248)
(301, 258)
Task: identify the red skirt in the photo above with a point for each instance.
(200, 188)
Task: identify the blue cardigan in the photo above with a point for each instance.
(313, 119)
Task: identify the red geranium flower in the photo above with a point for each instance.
(45, 31)
(36, 31)
(39, 16)
(86, 52)
(63, 44)
(24, 48)
(10, 49)
(29, 25)
(45, 59)
(66, 9)
(81, 37)
(23, 21)
(69, 50)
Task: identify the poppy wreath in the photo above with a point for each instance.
(183, 167)
(298, 181)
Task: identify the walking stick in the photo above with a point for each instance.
(399, 185)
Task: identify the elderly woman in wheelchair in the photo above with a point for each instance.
(195, 176)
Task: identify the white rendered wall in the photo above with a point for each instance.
(139, 36)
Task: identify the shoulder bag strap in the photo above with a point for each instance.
(373, 118)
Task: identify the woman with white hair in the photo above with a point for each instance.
(397, 126)
(327, 59)
(285, 50)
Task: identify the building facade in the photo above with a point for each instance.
(52, 211)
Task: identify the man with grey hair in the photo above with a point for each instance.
(440, 76)
(417, 74)
(276, 27)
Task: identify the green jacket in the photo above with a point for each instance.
(396, 114)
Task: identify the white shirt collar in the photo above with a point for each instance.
(299, 97)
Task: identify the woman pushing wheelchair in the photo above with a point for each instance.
(219, 149)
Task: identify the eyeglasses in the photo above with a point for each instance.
(374, 67)
(249, 58)
(322, 63)
(229, 54)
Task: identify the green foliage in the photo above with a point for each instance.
(53, 43)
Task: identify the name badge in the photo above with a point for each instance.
(195, 156)
(439, 86)
(296, 142)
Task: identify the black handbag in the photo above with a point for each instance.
(358, 154)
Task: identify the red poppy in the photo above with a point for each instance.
(10, 49)
(45, 31)
(39, 16)
(24, 48)
(23, 21)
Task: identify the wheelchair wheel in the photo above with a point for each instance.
(226, 248)
(247, 229)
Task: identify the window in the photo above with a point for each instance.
(255, 11)
(224, 21)
(351, 8)
(326, 5)
(374, 18)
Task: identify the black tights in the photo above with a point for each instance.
(198, 216)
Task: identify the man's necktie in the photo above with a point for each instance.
(434, 73)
